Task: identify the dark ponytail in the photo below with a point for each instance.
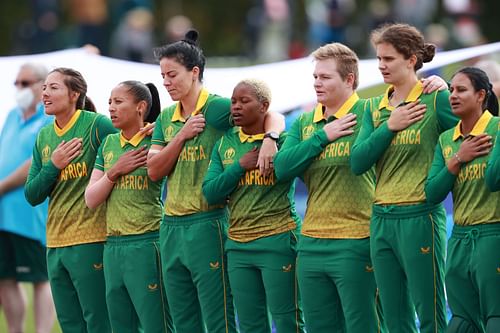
(186, 52)
(154, 108)
(492, 104)
(480, 81)
(149, 94)
(88, 105)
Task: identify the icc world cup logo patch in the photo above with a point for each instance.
(108, 158)
(447, 151)
(46, 153)
(307, 131)
(169, 133)
(229, 153)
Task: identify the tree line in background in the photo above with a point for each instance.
(248, 29)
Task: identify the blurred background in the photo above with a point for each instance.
(235, 32)
(241, 33)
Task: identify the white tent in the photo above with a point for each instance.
(290, 81)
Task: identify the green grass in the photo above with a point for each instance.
(30, 319)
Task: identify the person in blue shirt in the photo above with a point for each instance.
(22, 227)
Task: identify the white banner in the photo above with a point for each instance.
(290, 81)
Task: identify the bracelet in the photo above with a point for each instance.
(458, 158)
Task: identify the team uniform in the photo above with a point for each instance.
(192, 233)
(334, 267)
(22, 227)
(472, 262)
(261, 240)
(75, 233)
(408, 234)
(493, 169)
(135, 294)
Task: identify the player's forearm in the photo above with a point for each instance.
(98, 190)
(40, 183)
(162, 163)
(274, 122)
(294, 158)
(493, 169)
(218, 184)
(368, 149)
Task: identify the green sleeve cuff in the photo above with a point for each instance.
(323, 139)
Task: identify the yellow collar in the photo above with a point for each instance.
(479, 127)
(250, 138)
(71, 122)
(136, 139)
(344, 109)
(202, 100)
(414, 94)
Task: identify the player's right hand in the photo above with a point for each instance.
(193, 126)
(406, 115)
(65, 152)
(340, 127)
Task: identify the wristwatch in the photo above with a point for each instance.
(272, 135)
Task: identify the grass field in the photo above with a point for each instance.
(30, 319)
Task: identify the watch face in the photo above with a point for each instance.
(272, 135)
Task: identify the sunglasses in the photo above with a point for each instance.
(25, 83)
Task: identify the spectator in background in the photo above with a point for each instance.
(492, 69)
(328, 20)
(22, 227)
(133, 38)
(91, 18)
(176, 28)
(268, 32)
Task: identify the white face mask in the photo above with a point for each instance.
(24, 98)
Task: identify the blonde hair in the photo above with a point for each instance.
(347, 60)
(260, 88)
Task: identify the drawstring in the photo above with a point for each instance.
(387, 209)
(471, 236)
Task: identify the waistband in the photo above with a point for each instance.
(154, 236)
(196, 217)
(475, 231)
(404, 211)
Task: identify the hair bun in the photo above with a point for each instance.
(429, 52)
(191, 37)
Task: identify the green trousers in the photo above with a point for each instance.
(408, 251)
(77, 282)
(195, 272)
(134, 290)
(337, 285)
(473, 275)
(263, 281)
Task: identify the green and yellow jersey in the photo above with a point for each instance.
(493, 168)
(403, 158)
(339, 202)
(69, 221)
(473, 203)
(134, 205)
(259, 205)
(184, 183)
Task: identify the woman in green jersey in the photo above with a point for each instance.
(460, 159)
(134, 288)
(399, 133)
(334, 268)
(63, 156)
(192, 234)
(261, 237)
